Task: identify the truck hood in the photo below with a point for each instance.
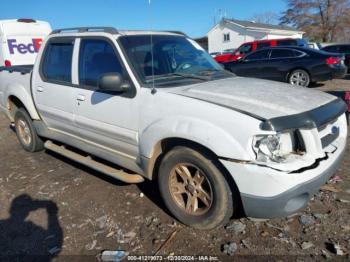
(261, 99)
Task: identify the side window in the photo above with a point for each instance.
(262, 45)
(245, 49)
(57, 63)
(286, 43)
(282, 53)
(227, 37)
(331, 49)
(96, 58)
(344, 49)
(260, 55)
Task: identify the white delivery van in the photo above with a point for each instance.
(20, 40)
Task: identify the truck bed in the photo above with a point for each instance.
(24, 69)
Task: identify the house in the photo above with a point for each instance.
(231, 33)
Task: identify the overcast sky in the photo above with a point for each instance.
(194, 17)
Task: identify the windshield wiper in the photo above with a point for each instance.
(184, 75)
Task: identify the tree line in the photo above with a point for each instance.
(321, 20)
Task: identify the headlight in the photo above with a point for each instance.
(273, 147)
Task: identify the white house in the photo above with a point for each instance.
(231, 33)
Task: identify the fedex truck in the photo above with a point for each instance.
(20, 40)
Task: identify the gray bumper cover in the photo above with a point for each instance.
(290, 201)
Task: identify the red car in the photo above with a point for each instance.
(249, 47)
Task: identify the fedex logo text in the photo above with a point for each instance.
(32, 48)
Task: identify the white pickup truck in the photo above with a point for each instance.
(141, 105)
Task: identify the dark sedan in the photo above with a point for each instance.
(340, 49)
(296, 65)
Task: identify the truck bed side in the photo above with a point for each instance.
(15, 90)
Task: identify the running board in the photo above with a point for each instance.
(88, 161)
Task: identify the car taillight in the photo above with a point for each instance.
(8, 63)
(333, 61)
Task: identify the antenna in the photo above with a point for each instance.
(154, 90)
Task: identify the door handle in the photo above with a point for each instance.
(81, 98)
(39, 89)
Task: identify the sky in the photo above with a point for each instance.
(194, 17)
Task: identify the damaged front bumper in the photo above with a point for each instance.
(270, 193)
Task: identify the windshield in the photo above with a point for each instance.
(175, 58)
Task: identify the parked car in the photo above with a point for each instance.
(249, 47)
(345, 95)
(340, 49)
(295, 65)
(20, 40)
(165, 110)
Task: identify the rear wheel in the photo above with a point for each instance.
(26, 132)
(299, 77)
(194, 189)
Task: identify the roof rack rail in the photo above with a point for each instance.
(110, 30)
(176, 32)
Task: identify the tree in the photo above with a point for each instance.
(265, 18)
(322, 20)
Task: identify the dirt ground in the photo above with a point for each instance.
(51, 205)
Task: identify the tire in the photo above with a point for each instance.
(213, 206)
(26, 133)
(299, 77)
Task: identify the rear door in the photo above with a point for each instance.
(53, 89)
(280, 59)
(108, 119)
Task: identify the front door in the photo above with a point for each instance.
(106, 119)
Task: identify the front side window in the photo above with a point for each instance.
(96, 58)
(282, 53)
(57, 63)
(260, 55)
(162, 58)
(245, 49)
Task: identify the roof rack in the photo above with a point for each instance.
(110, 30)
(176, 32)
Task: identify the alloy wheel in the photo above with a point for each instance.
(190, 189)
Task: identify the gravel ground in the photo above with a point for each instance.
(51, 205)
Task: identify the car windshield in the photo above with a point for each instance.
(175, 59)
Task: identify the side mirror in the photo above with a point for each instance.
(113, 82)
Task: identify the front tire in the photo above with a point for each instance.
(299, 77)
(194, 189)
(26, 133)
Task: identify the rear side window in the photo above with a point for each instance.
(262, 45)
(57, 63)
(97, 58)
(331, 49)
(345, 49)
(259, 55)
(286, 42)
(282, 53)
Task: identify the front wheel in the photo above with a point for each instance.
(299, 77)
(194, 189)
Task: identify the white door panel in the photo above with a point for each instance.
(108, 120)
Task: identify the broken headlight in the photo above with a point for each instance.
(273, 148)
